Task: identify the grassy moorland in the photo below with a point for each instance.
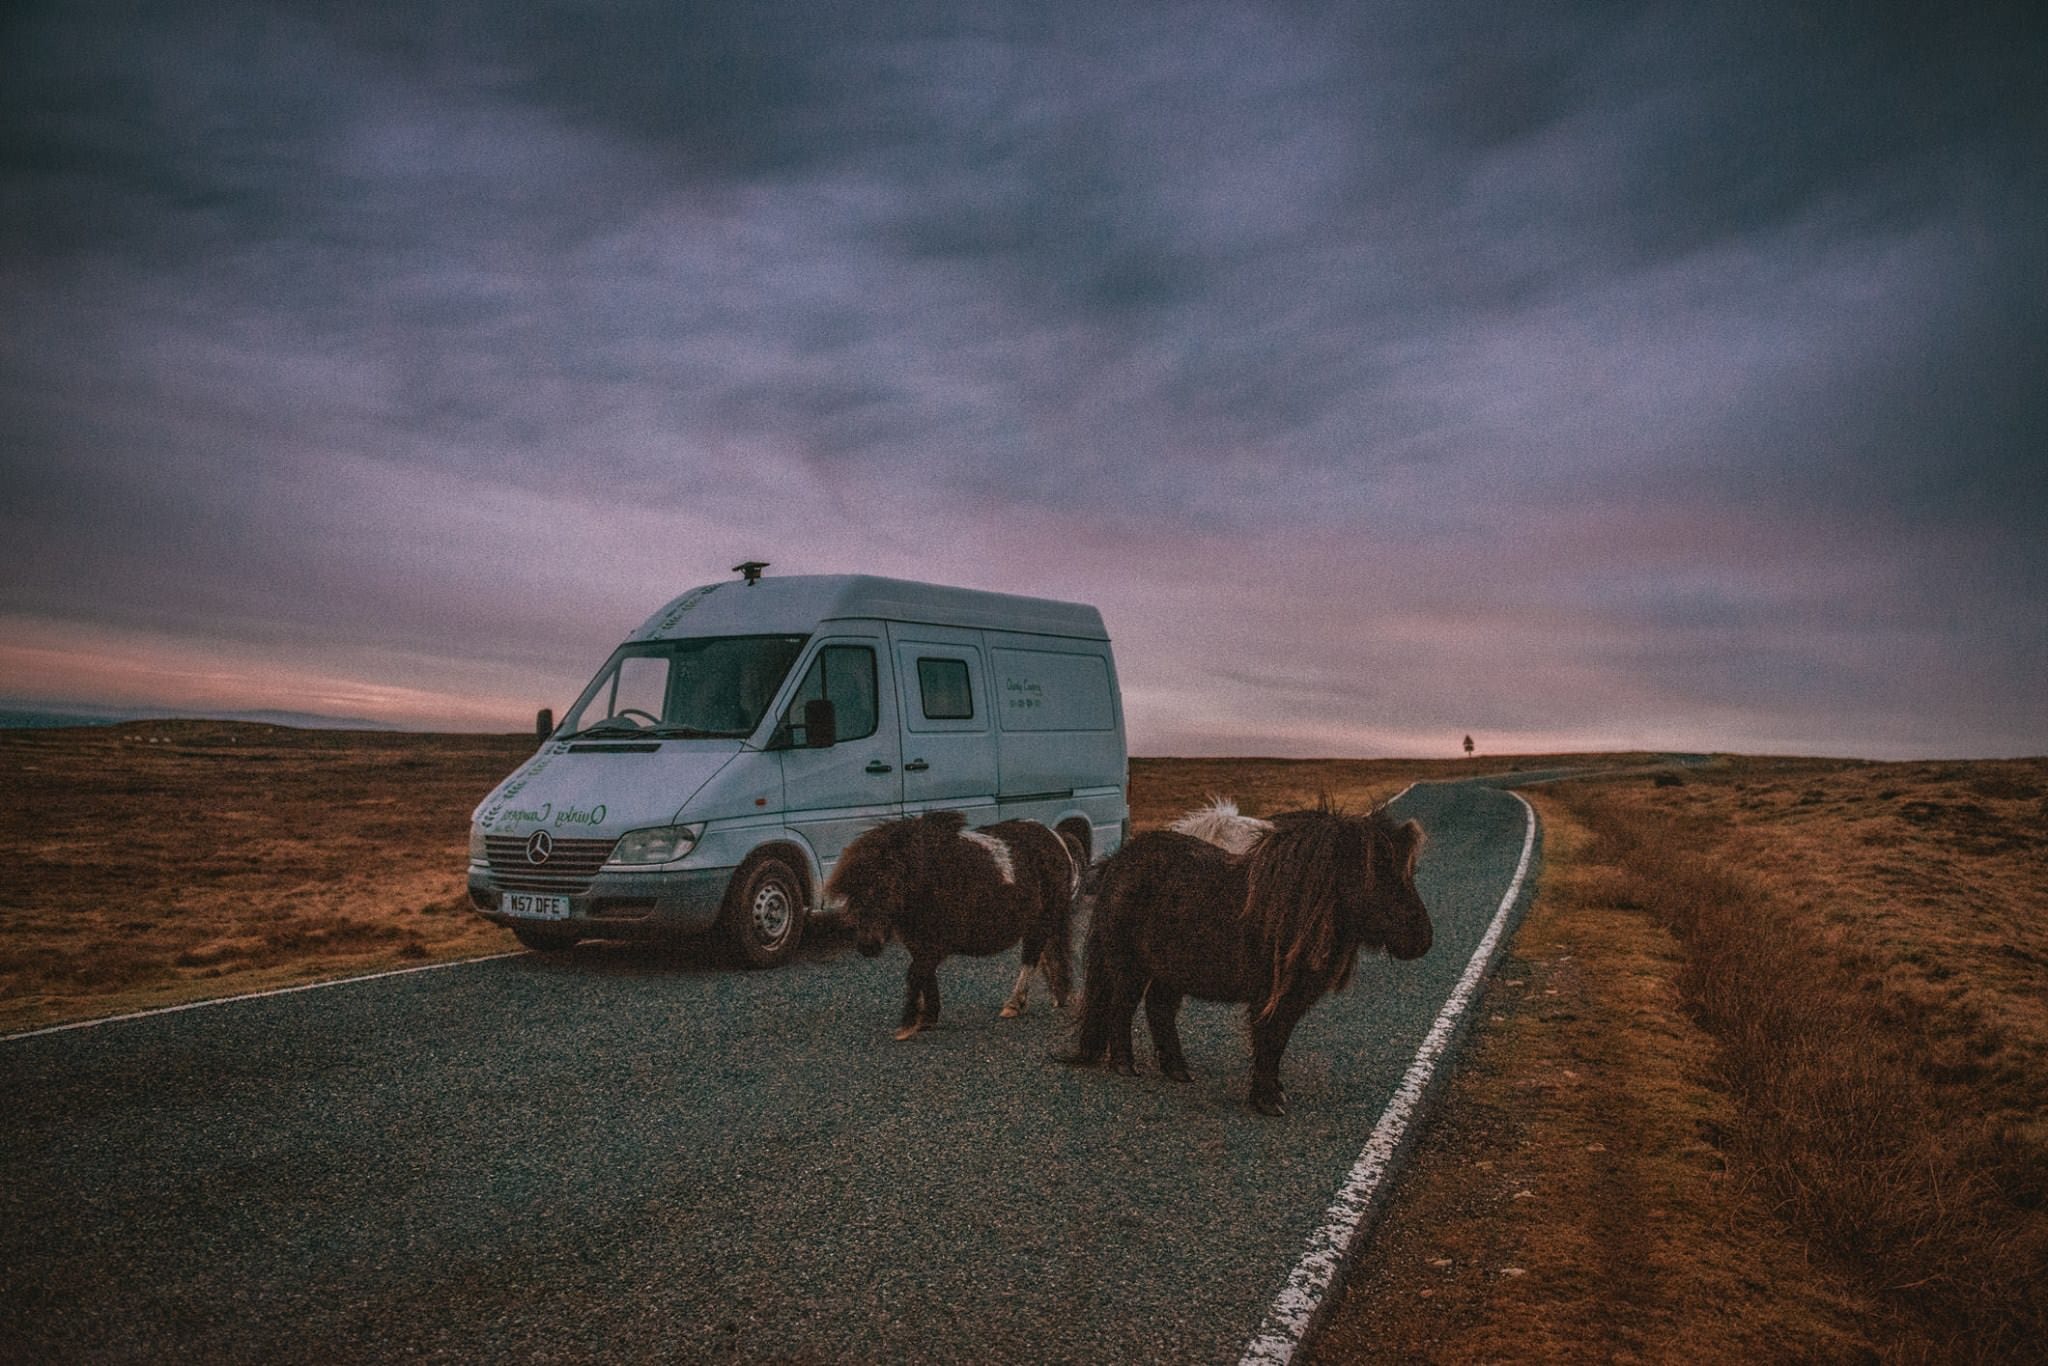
(1764, 1078)
(167, 861)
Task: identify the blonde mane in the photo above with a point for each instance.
(1223, 825)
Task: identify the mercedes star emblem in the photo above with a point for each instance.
(538, 846)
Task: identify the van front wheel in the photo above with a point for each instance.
(764, 911)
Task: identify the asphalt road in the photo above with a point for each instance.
(626, 1154)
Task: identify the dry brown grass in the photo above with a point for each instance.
(1807, 997)
(1162, 789)
(159, 862)
(1869, 944)
(1573, 1201)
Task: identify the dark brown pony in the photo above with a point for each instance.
(1276, 927)
(943, 889)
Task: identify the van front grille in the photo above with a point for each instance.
(569, 867)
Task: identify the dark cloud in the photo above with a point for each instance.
(1636, 320)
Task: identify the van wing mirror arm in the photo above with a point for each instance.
(821, 724)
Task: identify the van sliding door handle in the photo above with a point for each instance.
(877, 766)
(916, 766)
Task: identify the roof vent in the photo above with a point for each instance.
(750, 571)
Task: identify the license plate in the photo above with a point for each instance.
(534, 907)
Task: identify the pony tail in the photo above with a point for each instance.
(1108, 886)
(1292, 881)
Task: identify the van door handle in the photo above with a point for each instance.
(877, 766)
(916, 766)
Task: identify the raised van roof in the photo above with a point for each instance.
(797, 603)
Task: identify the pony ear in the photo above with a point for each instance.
(1408, 841)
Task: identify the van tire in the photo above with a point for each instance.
(764, 911)
(544, 941)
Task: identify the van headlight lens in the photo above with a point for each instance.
(478, 853)
(659, 844)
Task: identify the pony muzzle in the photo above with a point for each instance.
(1409, 946)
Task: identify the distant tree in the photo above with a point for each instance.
(1468, 746)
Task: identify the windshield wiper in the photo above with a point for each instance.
(608, 727)
(614, 726)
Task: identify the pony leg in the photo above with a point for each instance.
(1162, 1016)
(929, 1016)
(1020, 994)
(1123, 1010)
(1093, 1040)
(1056, 966)
(1055, 975)
(913, 998)
(1269, 1041)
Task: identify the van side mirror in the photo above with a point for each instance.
(821, 724)
(544, 723)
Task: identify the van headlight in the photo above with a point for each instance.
(478, 852)
(658, 844)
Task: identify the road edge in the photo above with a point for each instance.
(253, 996)
(1301, 1308)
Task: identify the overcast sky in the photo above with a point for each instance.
(1573, 376)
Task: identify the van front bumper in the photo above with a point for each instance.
(621, 905)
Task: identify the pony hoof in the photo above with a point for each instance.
(908, 1032)
(1077, 1058)
(1125, 1067)
(1178, 1073)
(1272, 1105)
(1011, 1010)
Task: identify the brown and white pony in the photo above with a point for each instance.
(941, 888)
(1276, 927)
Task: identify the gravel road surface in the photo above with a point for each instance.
(624, 1154)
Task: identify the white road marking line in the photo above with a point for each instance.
(256, 995)
(1295, 1309)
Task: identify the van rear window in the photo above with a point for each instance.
(942, 687)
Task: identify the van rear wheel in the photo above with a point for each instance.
(764, 911)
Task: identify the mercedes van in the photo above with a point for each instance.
(728, 751)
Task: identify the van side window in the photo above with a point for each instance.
(845, 674)
(942, 685)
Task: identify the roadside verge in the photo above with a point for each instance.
(1303, 1304)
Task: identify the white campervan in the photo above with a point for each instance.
(734, 744)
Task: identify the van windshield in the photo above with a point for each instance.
(716, 687)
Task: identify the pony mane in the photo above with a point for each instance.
(872, 864)
(1293, 882)
(878, 864)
